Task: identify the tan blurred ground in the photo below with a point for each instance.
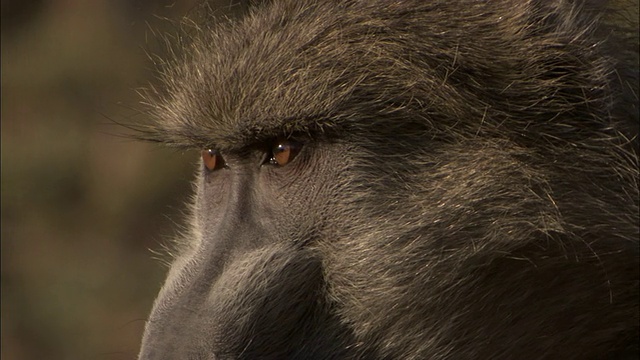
(81, 207)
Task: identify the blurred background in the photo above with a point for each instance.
(83, 208)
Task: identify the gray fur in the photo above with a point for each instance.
(467, 189)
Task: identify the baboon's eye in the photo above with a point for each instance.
(284, 151)
(212, 160)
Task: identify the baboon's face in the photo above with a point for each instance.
(399, 179)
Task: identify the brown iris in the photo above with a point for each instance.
(283, 152)
(212, 160)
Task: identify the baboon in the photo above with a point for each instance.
(405, 179)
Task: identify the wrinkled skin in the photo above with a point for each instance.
(455, 180)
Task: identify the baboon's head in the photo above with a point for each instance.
(404, 180)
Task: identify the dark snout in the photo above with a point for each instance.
(266, 303)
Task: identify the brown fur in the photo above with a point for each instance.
(467, 187)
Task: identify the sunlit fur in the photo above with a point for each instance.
(467, 188)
